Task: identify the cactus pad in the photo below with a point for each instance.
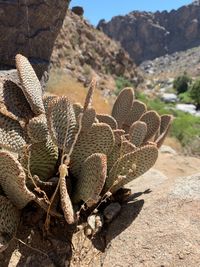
(127, 147)
(13, 180)
(43, 159)
(9, 221)
(13, 101)
(78, 108)
(88, 119)
(131, 166)
(137, 133)
(37, 129)
(137, 110)
(11, 134)
(93, 175)
(64, 196)
(99, 139)
(47, 99)
(30, 84)
(165, 124)
(122, 106)
(115, 152)
(107, 119)
(152, 120)
(62, 123)
(88, 99)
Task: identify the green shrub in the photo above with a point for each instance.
(121, 83)
(141, 96)
(154, 104)
(186, 128)
(181, 83)
(186, 98)
(195, 93)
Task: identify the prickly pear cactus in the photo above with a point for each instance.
(76, 155)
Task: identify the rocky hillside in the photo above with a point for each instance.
(174, 64)
(82, 51)
(147, 35)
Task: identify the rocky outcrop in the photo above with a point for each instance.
(82, 51)
(78, 10)
(30, 27)
(148, 35)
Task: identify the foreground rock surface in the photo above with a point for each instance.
(160, 224)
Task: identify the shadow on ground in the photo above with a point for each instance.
(126, 217)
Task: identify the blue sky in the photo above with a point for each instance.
(106, 9)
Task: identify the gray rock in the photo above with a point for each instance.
(150, 180)
(167, 149)
(187, 187)
(169, 98)
(160, 228)
(78, 10)
(189, 108)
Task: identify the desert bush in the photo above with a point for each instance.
(121, 83)
(195, 93)
(186, 98)
(181, 83)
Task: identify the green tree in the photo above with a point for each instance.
(195, 93)
(181, 83)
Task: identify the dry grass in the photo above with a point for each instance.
(62, 84)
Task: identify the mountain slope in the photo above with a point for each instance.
(174, 64)
(147, 35)
(82, 51)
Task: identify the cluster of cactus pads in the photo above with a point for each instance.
(61, 155)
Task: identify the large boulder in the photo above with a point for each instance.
(30, 28)
(78, 10)
(159, 226)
